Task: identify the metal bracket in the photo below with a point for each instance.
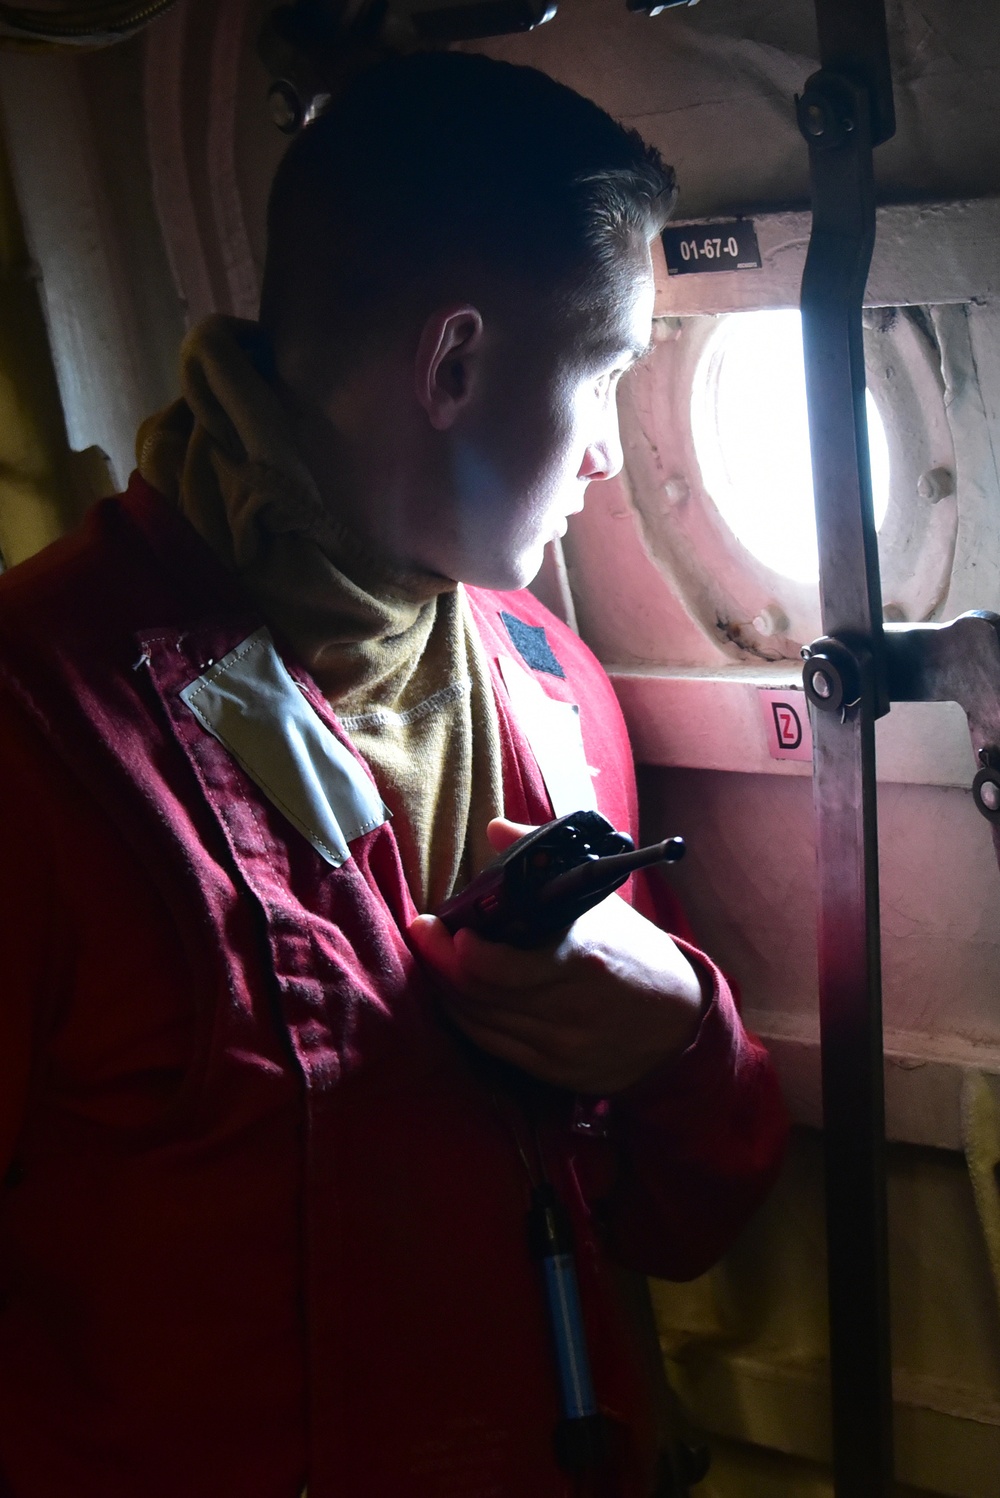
(956, 662)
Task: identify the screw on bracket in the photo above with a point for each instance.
(831, 676)
(986, 786)
(826, 110)
(285, 107)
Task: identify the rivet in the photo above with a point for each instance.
(772, 620)
(936, 484)
(675, 491)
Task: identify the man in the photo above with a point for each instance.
(270, 1133)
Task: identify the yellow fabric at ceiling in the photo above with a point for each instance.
(38, 489)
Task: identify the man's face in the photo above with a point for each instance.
(544, 426)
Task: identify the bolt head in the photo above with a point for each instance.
(772, 620)
(936, 484)
(284, 107)
(989, 795)
(821, 684)
(815, 120)
(675, 491)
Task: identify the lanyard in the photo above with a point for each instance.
(582, 1436)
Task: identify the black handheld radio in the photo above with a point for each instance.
(549, 877)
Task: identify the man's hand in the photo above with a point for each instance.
(594, 1012)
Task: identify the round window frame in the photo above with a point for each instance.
(713, 402)
(740, 603)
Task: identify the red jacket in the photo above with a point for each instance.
(262, 1220)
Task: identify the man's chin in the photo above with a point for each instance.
(502, 575)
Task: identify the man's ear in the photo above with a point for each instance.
(446, 363)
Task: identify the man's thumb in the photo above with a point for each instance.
(502, 833)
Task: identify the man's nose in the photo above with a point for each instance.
(603, 458)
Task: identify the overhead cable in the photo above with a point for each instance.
(79, 25)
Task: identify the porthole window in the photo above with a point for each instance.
(718, 471)
(749, 423)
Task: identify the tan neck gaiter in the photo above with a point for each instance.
(397, 655)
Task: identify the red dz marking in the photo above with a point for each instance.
(787, 725)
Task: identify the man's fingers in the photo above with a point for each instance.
(435, 944)
(504, 1046)
(467, 959)
(502, 833)
(500, 966)
(529, 1041)
(547, 1035)
(558, 1066)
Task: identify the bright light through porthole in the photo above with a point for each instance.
(751, 436)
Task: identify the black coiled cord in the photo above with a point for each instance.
(82, 23)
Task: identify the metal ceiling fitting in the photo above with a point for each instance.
(83, 25)
(474, 21)
(656, 7)
(312, 47)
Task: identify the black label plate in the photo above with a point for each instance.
(694, 248)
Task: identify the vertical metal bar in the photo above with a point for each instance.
(833, 285)
(853, 1112)
(836, 114)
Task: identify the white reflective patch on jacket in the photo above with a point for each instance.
(250, 703)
